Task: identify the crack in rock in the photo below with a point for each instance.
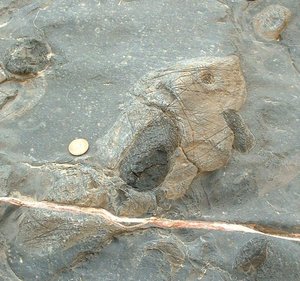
(126, 224)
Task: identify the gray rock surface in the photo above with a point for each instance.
(150, 84)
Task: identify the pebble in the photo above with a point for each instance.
(271, 21)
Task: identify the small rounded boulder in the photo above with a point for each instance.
(27, 57)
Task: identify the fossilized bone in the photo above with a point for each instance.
(174, 126)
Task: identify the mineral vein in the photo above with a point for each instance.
(130, 224)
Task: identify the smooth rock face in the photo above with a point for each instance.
(159, 90)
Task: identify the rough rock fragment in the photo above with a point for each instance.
(86, 186)
(252, 255)
(130, 202)
(194, 93)
(171, 250)
(175, 111)
(18, 98)
(27, 57)
(271, 22)
(51, 234)
(146, 163)
(112, 146)
(24, 60)
(243, 138)
(6, 98)
(175, 186)
(267, 259)
(77, 185)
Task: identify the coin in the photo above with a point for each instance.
(78, 147)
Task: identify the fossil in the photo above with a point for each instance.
(174, 126)
(271, 21)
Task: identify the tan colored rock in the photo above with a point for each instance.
(271, 22)
(192, 95)
(133, 203)
(180, 176)
(195, 96)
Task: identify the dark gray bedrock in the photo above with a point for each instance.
(100, 50)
